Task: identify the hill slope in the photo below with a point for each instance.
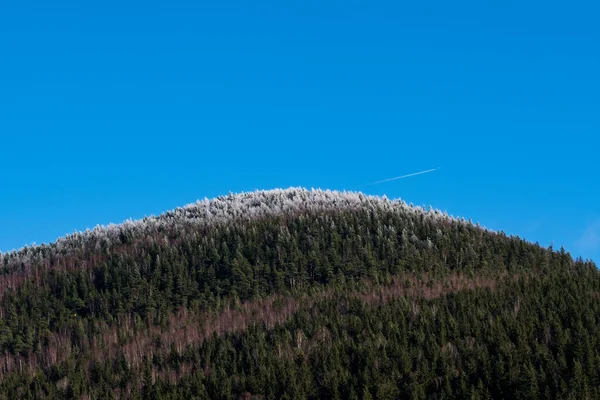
(298, 294)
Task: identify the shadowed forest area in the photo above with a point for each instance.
(298, 294)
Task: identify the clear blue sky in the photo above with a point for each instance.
(116, 109)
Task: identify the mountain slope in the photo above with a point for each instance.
(301, 294)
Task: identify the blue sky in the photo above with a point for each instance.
(113, 109)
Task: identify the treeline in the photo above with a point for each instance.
(130, 311)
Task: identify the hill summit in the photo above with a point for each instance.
(298, 294)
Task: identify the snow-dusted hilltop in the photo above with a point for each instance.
(228, 209)
(293, 272)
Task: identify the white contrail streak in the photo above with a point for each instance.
(403, 176)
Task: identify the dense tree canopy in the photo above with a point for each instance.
(298, 294)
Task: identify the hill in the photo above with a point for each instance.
(298, 294)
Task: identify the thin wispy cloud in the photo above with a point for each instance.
(590, 239)
(403, 176)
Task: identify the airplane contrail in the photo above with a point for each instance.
(403, 176)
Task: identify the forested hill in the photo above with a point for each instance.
(298, 294)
